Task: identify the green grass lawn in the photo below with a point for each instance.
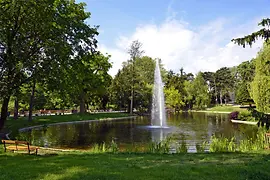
(14, 125)
(226, 109)
(226, 166)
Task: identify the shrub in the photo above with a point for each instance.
(233, 115)
(246, 116)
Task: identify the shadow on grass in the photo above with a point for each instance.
(136, 166)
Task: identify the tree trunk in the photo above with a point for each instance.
(131, 103)
(82, 103)
(127, 108)
(31, 102)
(16, 108)
(87, 107)
(220, 97)
(4, 111)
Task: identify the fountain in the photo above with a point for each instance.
(158, 116)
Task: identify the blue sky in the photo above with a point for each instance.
(211, 21)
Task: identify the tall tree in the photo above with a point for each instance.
(134, 51)
(261, 82)
(210, 79)
(245, 75)
(143, 75)
(260, 86)
(224, 82)
(202, 98)
(37, 38)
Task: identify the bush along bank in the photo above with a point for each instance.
(251, 115)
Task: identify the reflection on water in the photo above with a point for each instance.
(192, 128)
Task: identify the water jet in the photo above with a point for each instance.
(158, 116)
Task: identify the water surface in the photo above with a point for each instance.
(191, 128)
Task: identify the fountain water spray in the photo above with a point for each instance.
(158, 116)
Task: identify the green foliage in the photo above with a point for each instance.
(113, 147)
(242, 93)
(140, 73)
(246, 116)
(182, 148)
(173, 98)
(262, 118)
(103, 148)
(261, 83)
(230, 145)
(224, 82)
(99, 148)
(185, 92)
(263, 33)
(248, 145)
(46, 43)
(162, 147)
(201, 148)
(244, 76)
(201, 94)
(222, 144)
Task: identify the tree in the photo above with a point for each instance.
(200, 89)
(245, 75)
(134, 52)
(143, 79)
(263, 33)
(260, 86)
(224, 82)
(243, 94)
(190, 94)
(121, 83)
(177, 81)
(173, 98)
(210, 79)
(37, 38)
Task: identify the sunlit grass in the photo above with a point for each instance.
(226, 108)
(85, 165)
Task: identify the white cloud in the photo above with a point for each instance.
(204, 48)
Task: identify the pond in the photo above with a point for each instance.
(191, 128)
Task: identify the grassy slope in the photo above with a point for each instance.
(136, 166)
(14, 125)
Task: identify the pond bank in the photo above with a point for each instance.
(12, 126)
(75, 122)
(243, 122)
(214, 112)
